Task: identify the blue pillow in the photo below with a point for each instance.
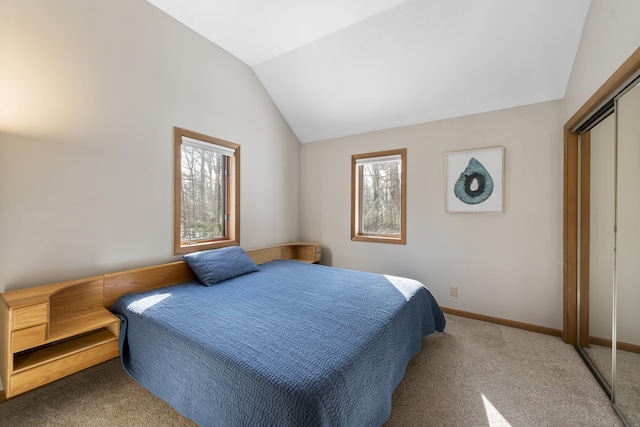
(217, 265)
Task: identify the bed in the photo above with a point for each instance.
(286, 344)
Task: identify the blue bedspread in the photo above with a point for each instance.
(290, 345)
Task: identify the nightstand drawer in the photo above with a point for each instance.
(28, 338)
(30, 316)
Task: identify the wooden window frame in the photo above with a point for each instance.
(232, 192)
(356, 190)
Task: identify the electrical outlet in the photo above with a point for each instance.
(453, 291)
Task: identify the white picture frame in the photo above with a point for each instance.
(475, 180)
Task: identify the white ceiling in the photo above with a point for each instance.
(342, 67)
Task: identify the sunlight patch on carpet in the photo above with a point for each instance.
(494, 418)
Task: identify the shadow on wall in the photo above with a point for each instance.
(327, 257)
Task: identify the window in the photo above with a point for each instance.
(206, 192)
(378, 198)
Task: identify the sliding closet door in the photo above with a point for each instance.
(627, 286)
(598, 186)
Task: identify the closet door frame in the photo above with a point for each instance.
(572, 210)
(585, 233)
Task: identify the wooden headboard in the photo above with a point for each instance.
(142, 279)
(109, 287)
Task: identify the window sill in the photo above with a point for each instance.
(203, 246)
(379, 239)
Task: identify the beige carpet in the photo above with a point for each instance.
(475, 374)
(627, 378)
(481, 374)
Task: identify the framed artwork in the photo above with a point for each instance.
(474, 180)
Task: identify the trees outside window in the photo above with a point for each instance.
(206, 186)
(203, 194)
(378, 207)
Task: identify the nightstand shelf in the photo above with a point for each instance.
(42, 355)
(51, 331)
(303, 252)
(89, 320)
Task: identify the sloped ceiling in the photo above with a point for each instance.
(342, 67)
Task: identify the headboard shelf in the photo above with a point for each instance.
(305, 252)
(144, 279)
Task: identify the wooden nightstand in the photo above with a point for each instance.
(51, 331)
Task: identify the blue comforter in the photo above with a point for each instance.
(290, 345)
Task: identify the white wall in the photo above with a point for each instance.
(609, 37)
(506, 265)
(91, 91)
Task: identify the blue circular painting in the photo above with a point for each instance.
(474, 185)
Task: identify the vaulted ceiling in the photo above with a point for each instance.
(342, 67)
